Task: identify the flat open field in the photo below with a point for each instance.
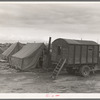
(39, 81)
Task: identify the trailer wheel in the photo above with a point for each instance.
(85, 70)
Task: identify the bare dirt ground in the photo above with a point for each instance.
(39, 81)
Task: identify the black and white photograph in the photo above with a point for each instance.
(50, 47)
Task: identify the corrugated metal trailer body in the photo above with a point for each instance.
(75, 51)
(83, 54)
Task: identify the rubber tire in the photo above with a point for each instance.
(85, 71)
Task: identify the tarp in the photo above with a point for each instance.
(28, 56)
(15, 47)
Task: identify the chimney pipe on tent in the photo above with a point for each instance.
(49, 45)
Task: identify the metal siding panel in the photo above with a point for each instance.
(71, 54)
(90, 49)
(65, 53)
(77, 54)
(80, 54)
(87, 55)
(98, 54)
(74, 54)
(95, 54)
(84, 54)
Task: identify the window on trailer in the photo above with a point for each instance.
(59, 50)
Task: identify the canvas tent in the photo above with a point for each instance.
(11, 50)
(28, 56)
(1, 51)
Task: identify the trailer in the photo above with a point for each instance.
(77, 56)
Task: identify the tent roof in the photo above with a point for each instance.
(1, 50)
(80, 42)
(27, 50)
(9, 50)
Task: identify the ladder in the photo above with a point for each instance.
(58, 68)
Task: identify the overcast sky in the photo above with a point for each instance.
(29, 22)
